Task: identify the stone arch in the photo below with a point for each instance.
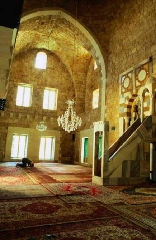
(126, 116)
(146, 102)
(131, 113)
(146, 90)
(94, 46)
(130, 102)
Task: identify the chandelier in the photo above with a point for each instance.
(69, 121)
(41, 127)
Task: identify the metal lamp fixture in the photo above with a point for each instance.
(69, 121)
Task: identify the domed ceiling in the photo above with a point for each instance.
(57, 35)
(64, 37)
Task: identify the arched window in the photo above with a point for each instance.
(41, 60)
(95, 101)
(95, 65)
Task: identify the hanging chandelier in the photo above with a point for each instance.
(41, 127)
(69, 121)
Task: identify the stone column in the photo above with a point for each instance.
(126, 123)
(106, 145)
(99, 127)
(151, 104)
(141, 109)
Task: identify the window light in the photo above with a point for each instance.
(47, 148)
(50, 98)
(41, 60)
(24, 95)
(95, 102)
(95, 65)
(19, 146)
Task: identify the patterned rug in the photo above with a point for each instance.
(56, 173)
(40, 203)
(76, 191)
(144, 214)
(24, 191)
(145, 193)
(38, 217)
(101, 229)
(146, 189)
(13, 175)
(41, 180)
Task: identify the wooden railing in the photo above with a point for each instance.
(124, 137)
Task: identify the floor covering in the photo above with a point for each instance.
(59, 201)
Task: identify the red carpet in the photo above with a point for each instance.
(82, 220)
(13, 175)
(60, 173)
(36, 204)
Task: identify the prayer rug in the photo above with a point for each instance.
(26, 213)
(116, 228)
(140, 194)
(101, 193)
(57, 178)
(143, 190)
(84, 188)
(42, 178)
(55, 173)
(63, 168)
(144, 214)
(14, 176)
(23, 191)
(40, 206)
(71, 178)
(140, 199)
(77, 199)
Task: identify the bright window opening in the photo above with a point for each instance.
(41, 60)
(50, 99)
(95, 65)
(47, 148)
(19, 146)
(24, 95)
(95, 102)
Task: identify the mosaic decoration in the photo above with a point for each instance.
(126, 82)
(141, 75)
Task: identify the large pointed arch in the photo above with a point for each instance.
(91, 46)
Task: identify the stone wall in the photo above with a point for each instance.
(55, 76)
(125, 31)
(126, 34)
(3, 135)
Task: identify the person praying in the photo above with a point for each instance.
(26, 162)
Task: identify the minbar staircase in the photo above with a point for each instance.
(125, 155)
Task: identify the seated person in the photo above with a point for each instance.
(26, 162)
